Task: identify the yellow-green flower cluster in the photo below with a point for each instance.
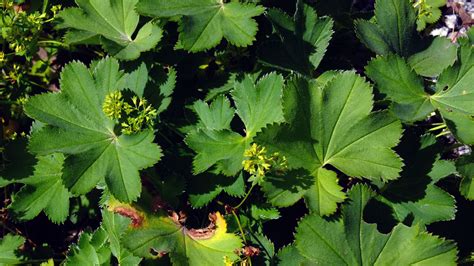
(144, 116)
(21, 29)
(136, 116)
(258, 163)
(113, 105)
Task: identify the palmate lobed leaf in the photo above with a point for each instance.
(302, 43)
(204, 23)
(153, 235)
(452, 97)
(394, 30)
(115, 22)
(415, 194)
(77, 127)
(43, 191)
(330, 122)
(352, 241)
(257, 105)
(97, 248)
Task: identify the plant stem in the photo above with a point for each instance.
(240, 226)
(60, 44)
(245, 198)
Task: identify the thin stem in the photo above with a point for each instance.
(437, 127)
(240, 226)
(246, 196)
(61, 44)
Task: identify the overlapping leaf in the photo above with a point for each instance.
(452, 98)
(155, 235)
(97, 248)
(415, 193)
(257, 105)
(205, 187)
(351, 241)
(43, 191)
(114, 22)
(77, 126)
(302, 40)
(465, 167)
(394, 30)
(330, 122)
(9, 244)
(204, 23)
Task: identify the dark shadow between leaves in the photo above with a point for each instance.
(414, 180)
(17, 162)
(293, 181)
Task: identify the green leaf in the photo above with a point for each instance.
(290, 256)
(98, 247)
(91, 249)
(206, 187)
(77, 126)
(401, 85)
(441, 54)
(465, 167)
(266, 247)
(395, 29)
(216, 116)
(455, 94)
(43, 191)
(286, 190)
(262, 213)
(257, 105)
(452, 97)
(115, 225)
(9, 245)
(428, 12)
(161, 234)
(324, 195)
(372, 37)
(333, 125)
(204, 23)
(166, 89)
(302, 41)
(115, 21)
(351, 241)
(415, 193)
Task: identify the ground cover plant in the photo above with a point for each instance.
(240, 132)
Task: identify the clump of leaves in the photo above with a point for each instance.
(111, 23)
(96, 153)
(357, 170)
(428, 12)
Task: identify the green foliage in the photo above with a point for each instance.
(257, 105)
(332, 124)
(9, 245)
(352, 241)
(96, 248)
(301, 42)
(43, 191)
(204, 23)
(112, 23)
(214, 132)
(428, 12)
(415, 195)
(84, 132)
(465, 166)
(394, 30)
(412, 102)
(153, 236)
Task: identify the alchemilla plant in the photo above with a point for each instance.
(236, 132)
